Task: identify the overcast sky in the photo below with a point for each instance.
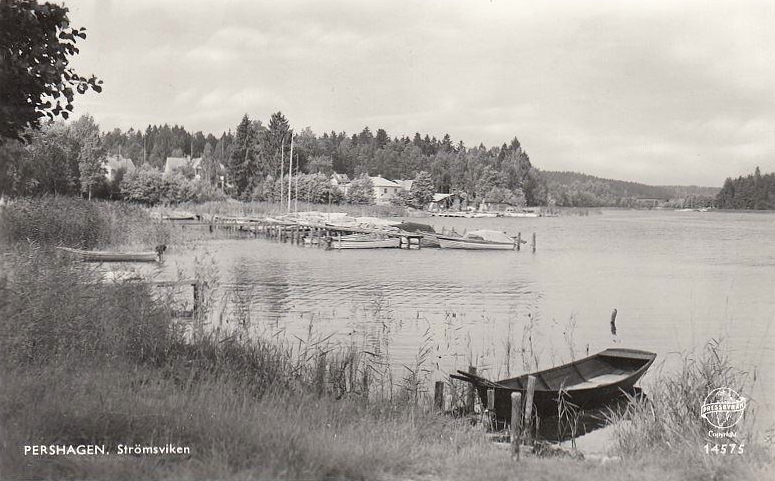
(662, 92)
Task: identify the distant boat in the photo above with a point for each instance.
(523, 213)
(361, 241)
(484, 215)
(109, 256)
(479, 240)
(587, 383)
(179, 216)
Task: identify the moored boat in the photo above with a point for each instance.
(429, 236)
(587, 383)
(110, 256)
(478, 240)
(359, 241)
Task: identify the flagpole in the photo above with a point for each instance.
(282, 166)
(290, 174)
(296, 199)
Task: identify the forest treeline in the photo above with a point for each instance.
(755, 191)
(255, 153)
(64, 158)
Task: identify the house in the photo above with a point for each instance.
(174, 164)
(454, 201)
(384, 189)
(113, 163)
(339, 180)
(405, 184)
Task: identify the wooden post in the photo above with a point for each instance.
(534, 242)
(519, 240)
(490, 426)
(438, 396)
(516, 424)
(470, 392)
(197, 298)
(531, 387)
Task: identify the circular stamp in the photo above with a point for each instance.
(723, 408)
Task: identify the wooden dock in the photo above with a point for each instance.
(312, 234)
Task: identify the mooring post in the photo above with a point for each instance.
(197, 297)
(470, 391)
(519, 240)
(516, 424)
(438, 396)
(490, 426)
(531, 387)
(534, 242)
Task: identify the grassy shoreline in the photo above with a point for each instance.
(89, 362)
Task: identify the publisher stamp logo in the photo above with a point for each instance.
(723, 408)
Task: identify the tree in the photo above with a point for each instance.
(422, 190)
(361, 191)
(320, 164)
(241, 166)
(90, 163)
(36, 44)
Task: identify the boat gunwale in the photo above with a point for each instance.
(648, 357)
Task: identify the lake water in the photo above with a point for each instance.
(677, 279)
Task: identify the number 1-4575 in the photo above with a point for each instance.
(730, 448)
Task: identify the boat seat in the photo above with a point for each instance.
(598, 381)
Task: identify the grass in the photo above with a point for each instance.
(88, 362)
(74, 222)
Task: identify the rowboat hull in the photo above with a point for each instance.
(392, 242)
(104, 256)
(472, 244)
(587, 383)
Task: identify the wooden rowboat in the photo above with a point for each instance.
(479, 240)
(359, 241)
(587, 383)
(107, 256)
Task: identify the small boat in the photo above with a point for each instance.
(484, 215)
(587, 383)
(361, 241)
(429, 236)
(479, 240)
(523, 213)
(108, 256)
(180, 215)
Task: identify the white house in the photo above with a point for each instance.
(384, 189)
(113, 163)
(175, 163)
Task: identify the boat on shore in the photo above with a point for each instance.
(112, 256)
(478, 240)
(587, 383)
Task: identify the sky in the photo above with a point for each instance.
(655, 91)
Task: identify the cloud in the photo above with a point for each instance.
(617, 88)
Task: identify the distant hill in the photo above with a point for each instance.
(573, 189)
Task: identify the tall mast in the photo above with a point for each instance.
(282, 164)
(296, 198)
(290, 173)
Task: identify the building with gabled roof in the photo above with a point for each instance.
(114, 163)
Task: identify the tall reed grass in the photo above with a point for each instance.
(74, 222)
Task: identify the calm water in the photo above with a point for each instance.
(678, 279)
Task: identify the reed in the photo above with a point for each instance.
(59, 220)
